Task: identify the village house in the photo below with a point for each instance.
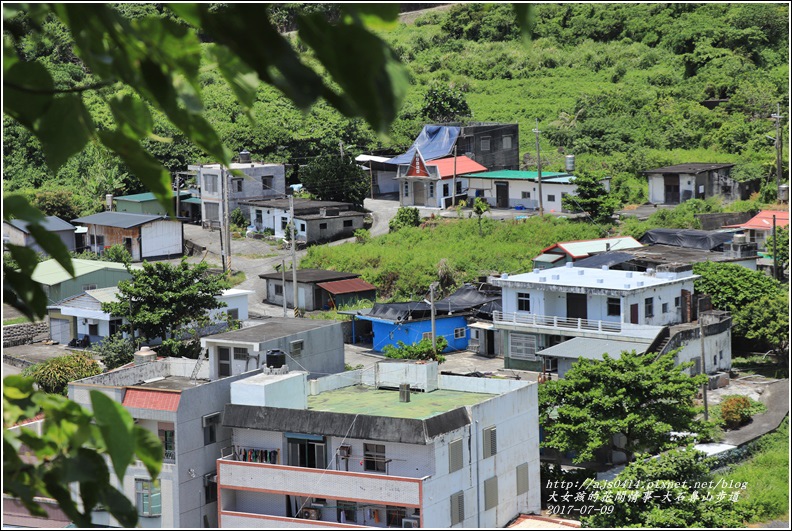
(16, 232)
(316, 288)
(147, 203)
(314, 221)
(58, 284)
(394, 445)
(672, 185)
(760, 227)
(561, 253)
(81, 316)
(552, 317)
(260, 181)
(434, 184)
(145, 236)
(382, 174)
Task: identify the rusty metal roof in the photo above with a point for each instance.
(352, 285)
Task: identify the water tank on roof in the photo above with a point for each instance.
(783, 193)
(569, 163)
(244, 156)
(275, 359)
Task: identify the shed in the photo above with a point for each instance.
(564, 354)
(145, 236)
(146, 203)
(16, 232)
(349, 291)
(310, 296)
(58, 284)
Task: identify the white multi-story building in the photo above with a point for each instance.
(552, 317)
(260, 181)
(394, 445)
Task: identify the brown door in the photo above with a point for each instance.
(671, 183)
(419, 193)
(634, 313)
(502, 195)
(576, 306)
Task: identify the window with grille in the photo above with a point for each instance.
(212, 211)
(278, 289)
(223, 361)
(296, 347)
(446, 190)
(525, 195)
(210, 184)
(431, 189)
(649, 307)
(490, 493)
(522, 479)
(406, 189)
(236, 185)
(148, 497)
(485, 143)
(455, 455)
(524, 302)
(240, 353)
(457, 508)
(93, 329)
(522, 346)
(490, 438)
(551, 197)
(665, 307)
(614, 306)
(459, 333)
(374, 457)
(347, 223)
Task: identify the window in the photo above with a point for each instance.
(322, 226)
(406, 189)
(168, 437)
(374, 458)
(394, 516)
(284, 223)
(223, 361)
(93, 329)
(148, 497)
(507, 142)
(115, 326)
(485, 143)
(210, 423)
(525, 195)
(307, 453)
(296, 347)
(490, 437)
(236, 185)
(278, 289)
(457, 508)
(446, 190)
(677, 302)
(86, 287)
(233, 315)
(210, 184)
(524, 302)
(459, 187)
(455, 458)
(551, 197)
(614, 306)
(347, 223)
(522, 479)
(266, 183)
(347, 512)
(302, 227)
(210, 488)
(212, 211)
(459, 333)
(720, 354)
(259, 216)
(665, 307)
(240, 353)
(715, 361)
(649, 307)
(431, 189)
(128, 244)
(490, 493)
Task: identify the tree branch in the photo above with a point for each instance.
(31, 90)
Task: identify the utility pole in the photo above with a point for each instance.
(539, 168)
(294, 256)
(779, 147)
(703, 361)
(775, 254)
(283, 278)
(178, 194)
(453, 182)
(432, 287)
(226, 225)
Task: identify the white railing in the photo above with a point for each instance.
(558, 322)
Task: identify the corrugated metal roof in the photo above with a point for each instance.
(139, 198)
(592, 349)
(50, 224)
(121, 220)
(552, 258)
(311, 275)
(193, 200)
(692, 168)
(50, 272)
(764, 220)
(352, 285)
(464, 165)
(149, 399)
(519, 175)
(586, 247)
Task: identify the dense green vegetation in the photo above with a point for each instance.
(402, 264)
(619, 85)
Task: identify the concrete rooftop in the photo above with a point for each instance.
(592, 278)
(366, 400)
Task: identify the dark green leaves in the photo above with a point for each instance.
(117, 428)
(148, 449)
(27, 88)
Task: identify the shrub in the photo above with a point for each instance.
(115, 351)
(53, 376)
(405, 217)
(735, 411)
(238, 218)
(362, 236)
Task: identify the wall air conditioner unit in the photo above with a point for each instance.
(344, 450)
(411, 522)
(310, 514)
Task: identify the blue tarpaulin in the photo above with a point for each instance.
(434, 142)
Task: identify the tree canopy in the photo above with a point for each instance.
(591, 197)
(334, 178)
(445, 104)
(636, 395)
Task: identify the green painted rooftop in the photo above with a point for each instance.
(138, 198)
(50, 272)
(365, 400)
(519, 175)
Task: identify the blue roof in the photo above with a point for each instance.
(50, 224)
(139, 198)
(434, 142)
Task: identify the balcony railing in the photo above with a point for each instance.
(169, 456)
(558, 322)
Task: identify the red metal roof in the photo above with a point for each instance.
(445, 167)
(352, 285)
(764, 220)
(151, 399)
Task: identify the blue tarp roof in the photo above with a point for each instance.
(434, 142)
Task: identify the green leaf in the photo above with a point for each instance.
(145, 167)
(526, 18)
(52, 245)
(86, 466)
(19, 290)
(132, 116)
(18, 207)
(148, 448)
(116, 425)
(64, 129)
(376, 16)
(240, 77)
(20, 99)
(16, 387)
(119, 506)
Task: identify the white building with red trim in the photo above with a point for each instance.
(434, 184)
(394, 445)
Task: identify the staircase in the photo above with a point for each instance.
(660, 341)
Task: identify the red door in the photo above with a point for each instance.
(634, 313)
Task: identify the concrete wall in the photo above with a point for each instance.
(252, 186)
(161, 238)
(19, 334)
(285, 391)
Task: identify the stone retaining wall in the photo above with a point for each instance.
(23, 333)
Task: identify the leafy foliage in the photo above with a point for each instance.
(735, 411)
(238, 218)
(334, 178)
(115, 351)
(764, 322)
(637, 396)
(731, 286)
(676, 500)
(591, 197)
(71, 449)
(778, 245)
(160, 297)
(480, 207)
(445, 104)
(53, 376)
(405, 217)
(418, 351)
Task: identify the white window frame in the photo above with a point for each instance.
(148, 497)
(486, 143)
(460, 333)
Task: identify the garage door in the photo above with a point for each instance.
(59, 329)
(522, 346)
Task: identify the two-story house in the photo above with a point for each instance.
(314, 221)
(393, 445)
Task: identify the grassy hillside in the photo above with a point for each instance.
(618, 85)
